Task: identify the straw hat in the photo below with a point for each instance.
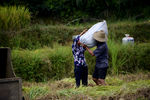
(100, 36)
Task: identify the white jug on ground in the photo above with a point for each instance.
(127, 39)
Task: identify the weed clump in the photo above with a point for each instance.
(14, 17)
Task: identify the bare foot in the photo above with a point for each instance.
(95, 80)
(101, 82)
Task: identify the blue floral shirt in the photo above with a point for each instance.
(78, 53)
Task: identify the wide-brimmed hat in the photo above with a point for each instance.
(100, 36)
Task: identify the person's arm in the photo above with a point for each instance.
(83, 32)
(90, 51)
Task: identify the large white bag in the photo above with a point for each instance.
(87, 38)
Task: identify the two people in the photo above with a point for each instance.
(101, 53)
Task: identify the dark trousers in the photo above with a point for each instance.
(81, 73)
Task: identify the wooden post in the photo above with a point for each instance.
(6, 68)
(10, 86)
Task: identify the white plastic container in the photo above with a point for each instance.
(127, 39)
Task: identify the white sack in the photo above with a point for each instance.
(87, 38)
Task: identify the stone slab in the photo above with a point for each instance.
(11, 89)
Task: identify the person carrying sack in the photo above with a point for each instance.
(80, 66)
(101, 53)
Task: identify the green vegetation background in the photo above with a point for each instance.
(41, 47)
(43, 52)
(72, 9)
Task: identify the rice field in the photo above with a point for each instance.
(122, 87)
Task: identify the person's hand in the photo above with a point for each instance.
(82, 44)
(83, 32)
(91, 52)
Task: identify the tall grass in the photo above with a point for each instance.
(35, 91)
(114, 49)
(117, 61)
(62, 62)
(57, 62)
(37, 36)
(14, 17)
(139, 30)
(43, 64)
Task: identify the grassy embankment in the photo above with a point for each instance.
(44, 51)
(55, 62)
(36, 58)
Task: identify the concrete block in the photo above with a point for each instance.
(11, 89)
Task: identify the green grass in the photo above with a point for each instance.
(14, 17)
(40, 35)
(57, 62)
(42, 52)
(35, 91)
(65, 89)
(43, 64)
(137, 29)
